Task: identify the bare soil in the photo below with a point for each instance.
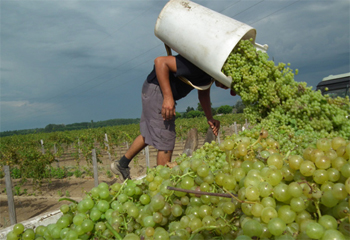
(31, 203)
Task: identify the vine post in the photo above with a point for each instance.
(42, 146)
(107, 145)
(55, 152)
(94, 162)
(10, 199)
(235, 128)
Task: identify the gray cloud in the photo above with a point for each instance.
(73, 61)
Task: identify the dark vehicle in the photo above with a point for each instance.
(335, 85)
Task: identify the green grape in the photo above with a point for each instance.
(87, 225)
(104, 193)
(323, 162)
(338, 162)
(257, 209)
(18, 228)
(64, 208)
(323, 144)
(177, 210)
(337, 142)
(347, 185)
(268, 213)
(332, 234)
(72, 235)
(229, 183)
(307, 168)
(281, 192)
(274, 177)
(275, 160)
(133, 211)
(294, 189)
(328, 222)
(298, 204)
(187, 182)
(276, 226)
(265, 189)
(252, 228)
(333, 174)
(328, 199)
(320, 176)
(295, 162)
(286, 214)
(339, 192)
(129, 190)
(102, 206)
(12, 236)
(203, 171)
(29, 234)
(228, 207)
(345, 170)
(252, 193)
(64, 232)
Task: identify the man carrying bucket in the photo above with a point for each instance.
(171, 79)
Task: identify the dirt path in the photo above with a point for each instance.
(29, 205)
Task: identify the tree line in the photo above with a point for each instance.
(189, 113)
(198, 112)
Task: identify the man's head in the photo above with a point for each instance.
(220, 85)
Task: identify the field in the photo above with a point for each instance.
(46, 200)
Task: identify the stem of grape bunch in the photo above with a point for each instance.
(113, 231)
(120, 190)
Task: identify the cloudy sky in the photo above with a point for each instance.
(75, 61)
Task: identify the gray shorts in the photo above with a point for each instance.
(158, 133)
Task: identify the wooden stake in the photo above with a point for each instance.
(10, 199)
(94, 162)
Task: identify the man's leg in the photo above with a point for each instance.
(163, 157)
(136, 147)
(121, 167)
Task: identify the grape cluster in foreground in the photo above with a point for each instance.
(276, 102)
(243, 188)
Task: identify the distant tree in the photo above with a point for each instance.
(194, 113)
(225, 109)
(189, 109)
(178, 115)
(239, 107)
(54, 127)
(199, 107)
(213, 111)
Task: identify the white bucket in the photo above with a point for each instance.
(201, 35)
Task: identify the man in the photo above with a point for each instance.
(159, 93)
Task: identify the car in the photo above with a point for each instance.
(335, 85)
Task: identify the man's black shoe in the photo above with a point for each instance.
(119, 170)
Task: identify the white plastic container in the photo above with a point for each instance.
(201, 35)
(43, 219)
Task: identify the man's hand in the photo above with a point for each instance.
(215, 126)
(168, 109)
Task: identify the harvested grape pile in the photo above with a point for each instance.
(287, 178)
(243, 188)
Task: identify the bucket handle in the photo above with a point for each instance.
(185, 80)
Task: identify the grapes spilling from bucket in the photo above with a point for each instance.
(275, 101)
(242, 188)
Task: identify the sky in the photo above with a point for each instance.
(69, 61)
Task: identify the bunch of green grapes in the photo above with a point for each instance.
(291, 196)
(267, 195)
(273, 98)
